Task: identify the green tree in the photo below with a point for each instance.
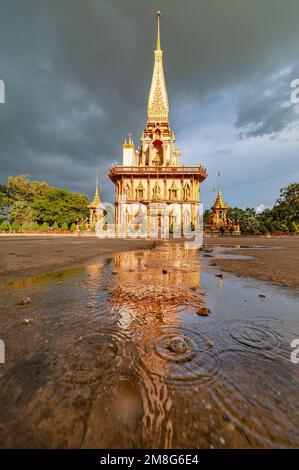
(4, 201)
(286, 209)
(263, 229)
(44, 226)
(21, 212)
(55, 226)
(4, 227)
(73, 227)
(61, 206)
(84, 226)
(64, 226)
(293, 227)
(284, 228)
(206, 216)
(21, 189)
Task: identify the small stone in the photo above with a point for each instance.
(26, 321)
(219, 275)
(89, 305)
(24, 301)
(222, 441)
(114, 272)
(208, 407)
(203, 311)
(213, 263)
(262, 296)
(177, 345)
(164, 271)
(230, 427)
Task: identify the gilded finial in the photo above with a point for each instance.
(218, 182)
(97, 183)
(158, 46)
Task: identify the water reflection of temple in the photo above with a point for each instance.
(147, 267)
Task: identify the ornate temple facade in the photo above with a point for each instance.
(218, 219)
(151, 187)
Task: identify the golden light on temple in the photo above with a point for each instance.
(152, 173)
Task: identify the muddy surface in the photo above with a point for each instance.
(153, 348)
(26, 253)
(279, 265)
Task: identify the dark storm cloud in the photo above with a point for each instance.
(77, 75)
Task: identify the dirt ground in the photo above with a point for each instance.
(278, 265)
(29, 253)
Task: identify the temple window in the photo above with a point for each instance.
(139, 193)
(173, 194)
(187, 192)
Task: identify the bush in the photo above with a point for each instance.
(35, 226)
(73, 227)
(45, 226)
(55, 226)
(273, 228)
(15, 227)
(293, 227)
(263, 229)
(84, 226)
(64, 226)
(4, 226)
(26, 226)
(284, 228)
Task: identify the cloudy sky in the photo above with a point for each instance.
(77, 75)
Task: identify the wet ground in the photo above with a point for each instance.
(153, 348)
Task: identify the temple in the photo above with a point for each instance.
(151, 187)
(218, 221)
(96, 208)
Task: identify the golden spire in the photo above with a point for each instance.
(158, 46)
(96, 199)
(157, 109)
(219, 202)
(97, 183)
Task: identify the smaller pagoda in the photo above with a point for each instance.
(218, 221)
(96, 208)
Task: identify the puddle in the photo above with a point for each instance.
(116, 354)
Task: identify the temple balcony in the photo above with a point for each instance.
(117, 171)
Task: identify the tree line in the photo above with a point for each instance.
(34, 205)
(283, 217)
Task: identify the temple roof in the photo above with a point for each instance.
(157, 110)
(219, 202)
(96, 202)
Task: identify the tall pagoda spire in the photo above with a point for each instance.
(96, 199)
(157, 110)
(158, 46)
(219, 202)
